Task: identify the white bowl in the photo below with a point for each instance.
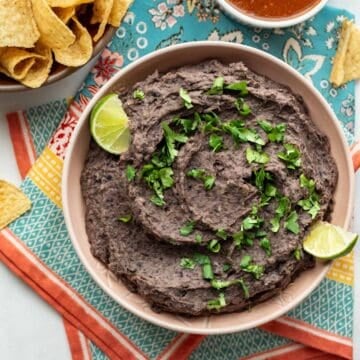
(235, 13)
(164, 60)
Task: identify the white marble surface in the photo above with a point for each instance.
(29, 328)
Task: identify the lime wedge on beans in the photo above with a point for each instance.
(109, 125)
(326, 241)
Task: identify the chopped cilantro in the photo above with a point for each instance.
(200, 174)
(171, 137)
(130, 173)
(251, 222)
(125, 218)
(292, 224)
(218, 303)
(282, 209)
(207, 272)
(240, 86)
(256, 270)
(241, 134)
(187, 263)
(166, 179)
(187, 228)
(306, 183)
(256, 156)
(157, 201)
(186, 98)
(223, 284)
(242, 107)
(291, 156)
(238, 239)
(216, 142)
(189, 125)
(222, 234)
(260, 178)
(212, 122)
(310, 204)
(201, 259)
(217, 86)
(266, 245)
(226, 267)
(214, 246)
(275, 224)
(209, 182)
(138, 94)
(275, 133)
(270, 190)
(265, 125)
(245, 261)
(198, 238)
(298, 254)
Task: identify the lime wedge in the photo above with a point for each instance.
(326, 241)
(109, 125)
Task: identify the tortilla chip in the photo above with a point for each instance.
(118, 11)
(67, 3)
(352, 60)
(337, 73)
(15, 62)
(17, 24)
(13, 203)
(80, 51)
(65, 14)
(40, 71)
(101, 14)
(53, 32)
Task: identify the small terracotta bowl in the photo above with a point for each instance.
(164, 60)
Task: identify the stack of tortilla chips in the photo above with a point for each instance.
(33, 32)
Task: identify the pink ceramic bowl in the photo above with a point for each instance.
(163, 60)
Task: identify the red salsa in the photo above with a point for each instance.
(274, 8)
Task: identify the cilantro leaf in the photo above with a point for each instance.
(256, 270)
(298, 254)
(189, 125)
(311, 205)
(292, 224)
(256, 156)
(242, 107)
(138, 94)
(275, 133)
(306, 183)
(130, 173)
(198, 238)
(223, 284)
(291, 156)
(187, 263)
(216, 142)
(218, 303)
(282, 209)
(217, 86)
(251, 222)
(222, 234)
(240, 86)
(241, 134)
(266, 245)
(157, 201)
(125, 218)
(200, 174)
(270, 190)
(187, 228)
(214, 246)
(166, 179)
(186, 98)
(171, 137)
(201, 259)
(260, 178)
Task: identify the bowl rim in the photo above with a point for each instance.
(67, 71)
(236, 13)
(66, 177)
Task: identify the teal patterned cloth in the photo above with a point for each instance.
(150, 25)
